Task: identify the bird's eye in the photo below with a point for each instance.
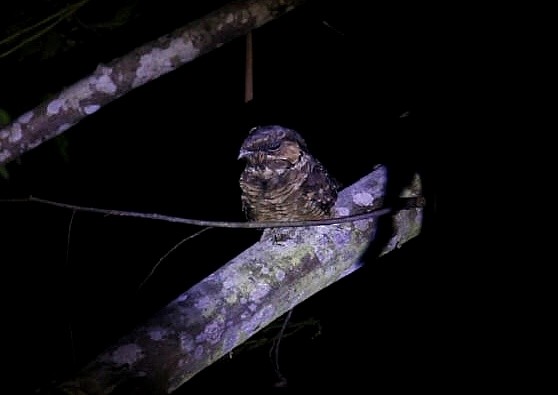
(273, 146)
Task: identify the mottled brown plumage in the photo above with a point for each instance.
(282, 181)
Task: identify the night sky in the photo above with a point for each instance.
(170, 147)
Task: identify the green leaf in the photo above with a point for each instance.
(4, 117)
(63, 145)
(4, 173)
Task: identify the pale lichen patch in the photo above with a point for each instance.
(90, 109)
(76, 93)
(258, 320)
(229, 283)
(25, 118)
(362, 224)
(16, 134)
(127, 354)
(104, 83)
(202, 303)
(160, 61)
(231, 340)
(279, 275)
(363, 199)
(342, 237)
(265, 314)
(63, 127)
(264, 270)
(71, 98)
(259, 291)
(206, 305)
(212, 332)
(342, 211)
(55, 106)
(231, 298)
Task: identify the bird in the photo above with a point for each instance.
(282, 180)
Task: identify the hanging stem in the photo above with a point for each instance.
(249, 72)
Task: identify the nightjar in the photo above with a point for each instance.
(282, 181)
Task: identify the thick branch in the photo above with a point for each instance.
(143, 64)
(243, 296)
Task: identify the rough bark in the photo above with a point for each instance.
(143, 64)
(243, 296)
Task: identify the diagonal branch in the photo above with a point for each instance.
(143, 64)
(253, 289)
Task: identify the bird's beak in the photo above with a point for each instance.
(243, 154)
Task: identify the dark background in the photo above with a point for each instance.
(170, 147)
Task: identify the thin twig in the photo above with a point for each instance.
(275, 347)
(412, 203)
(62, 15)
(30, 39)
(168, 253)
(69, 237)
(69, 322)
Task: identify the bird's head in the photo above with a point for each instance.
(272, 143)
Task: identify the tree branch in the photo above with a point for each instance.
(243, 296)
(143, 64)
